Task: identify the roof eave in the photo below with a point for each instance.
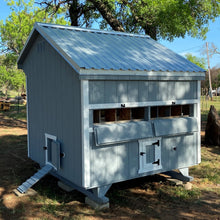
(103, 74)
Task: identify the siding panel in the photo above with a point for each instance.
(54, 107)
(143, 91)
(140, 91)
(110, 92)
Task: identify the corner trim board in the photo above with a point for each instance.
(28, 136)
(198, 115)
(85, 133)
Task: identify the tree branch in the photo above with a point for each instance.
(101, 6)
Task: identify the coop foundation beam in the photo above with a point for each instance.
(97, 195)
(183, 175)
(65, 187)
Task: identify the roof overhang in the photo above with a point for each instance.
(94, 74)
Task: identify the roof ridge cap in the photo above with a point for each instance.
(91, 30)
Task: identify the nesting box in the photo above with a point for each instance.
(105, 107)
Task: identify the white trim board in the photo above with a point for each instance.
(97, 72)
(52, 137)
(142, 104)
(85, 133)
(198, 115)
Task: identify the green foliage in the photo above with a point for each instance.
(201, 62)
(14, 32)
(18, 25)
(11, 79)
(160, 19)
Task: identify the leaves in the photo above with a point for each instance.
(160, 19)
(14, 32)
(11, 78)
(18, 25)
(201, 62)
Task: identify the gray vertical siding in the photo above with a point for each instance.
(54, 107)
(140, 91)
(179, 152)
(119, 162)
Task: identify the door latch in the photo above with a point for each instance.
(157, 162)
(156, 143)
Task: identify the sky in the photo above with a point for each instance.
(179, 45)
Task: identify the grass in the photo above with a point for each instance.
(209, 170)
(178, 193)
(11, 93)
(205, 106)
(16, 112)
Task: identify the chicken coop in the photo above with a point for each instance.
(105, 107)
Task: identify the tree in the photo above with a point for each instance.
(159, 19)
(215, 75)
(213, 50)
(201, 62)
(13, 35)
(11, 79)
(18, 25)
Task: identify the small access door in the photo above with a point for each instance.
(149, 155)
(52, 151)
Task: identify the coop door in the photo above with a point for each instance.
(149, 155)
(52, 151)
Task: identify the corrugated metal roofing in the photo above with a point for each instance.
(93, 49)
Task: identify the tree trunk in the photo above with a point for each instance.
(74, 13)
(151, 31)
(101, 6)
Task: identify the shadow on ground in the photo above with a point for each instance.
(144, 198)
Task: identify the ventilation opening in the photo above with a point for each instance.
(171, 111)
(118, 115)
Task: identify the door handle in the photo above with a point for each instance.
(142, 153)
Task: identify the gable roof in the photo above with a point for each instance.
(87, 49)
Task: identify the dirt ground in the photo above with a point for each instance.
(144, 198)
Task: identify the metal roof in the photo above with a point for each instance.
(96, 49)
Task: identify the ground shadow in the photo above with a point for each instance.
(139, 198)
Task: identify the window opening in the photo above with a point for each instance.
(176, 110)
(123, 114)
(117, 115)
(170, 111)
(137, 113)
(153, 113)
(128, 114)
(186, 110)
(163, 111)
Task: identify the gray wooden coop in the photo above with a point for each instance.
(105, 107)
